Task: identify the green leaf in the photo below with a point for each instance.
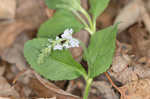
(53, 4)
(58, 23)
(101, 50)
(59, 65)
(97, 7)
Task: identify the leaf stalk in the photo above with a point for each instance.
(87, 88)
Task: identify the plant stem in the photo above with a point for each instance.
(87, 88)
(121, 92)
(81, 19)
(87, 16)
(91, 24)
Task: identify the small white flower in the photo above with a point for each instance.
(71, 43)
(57, 38)
(58, 47)
(66, 45)
(67, 34)
(70, 31)
(74, 42)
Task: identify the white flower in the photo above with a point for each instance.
(67, 34)
(74, 42)
(58, 47)
(66, 45)
(57, 38)
(70, 31)
(71, 43)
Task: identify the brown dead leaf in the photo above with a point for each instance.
(102, 89)
(30, 14)
(10, 32)
(129, 15)
(140, 44)
(2, 68)
(6, 89)
(7, 9)
(119, 69)
(140, 40)
(14, 54)
(124, 73)
(47, 89)
(139, 89)
(134, 11)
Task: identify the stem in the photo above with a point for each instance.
(81, 19)
(75, 13)
(91, 23)
(87, 16)
(121, 92)
(94, 26)
(87, 88)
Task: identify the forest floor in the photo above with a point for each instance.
(130, 70)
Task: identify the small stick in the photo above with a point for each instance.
(18, 75)
(110, 80)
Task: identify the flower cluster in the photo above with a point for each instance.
(65, 41)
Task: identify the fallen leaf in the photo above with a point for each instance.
(7, 9)
(32, 12)
(129, 15)
(29, 15)
(10, 32)
(103, 90)
(139, 89)
(14, 54)
(47, 89)
(6, 89)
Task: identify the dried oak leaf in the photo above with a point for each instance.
(124, 73)
(139, 89)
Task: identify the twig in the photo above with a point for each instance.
(120, 91)
(19, 75)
